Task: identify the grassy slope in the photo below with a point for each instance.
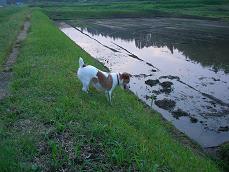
(215, 9)
(49, 123)
(11, 21)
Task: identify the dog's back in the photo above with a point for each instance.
(86, 72)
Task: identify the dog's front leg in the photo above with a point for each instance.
(84, 89)
(109, 96)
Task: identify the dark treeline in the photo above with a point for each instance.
(70, 1)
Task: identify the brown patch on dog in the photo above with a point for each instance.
(105, 82)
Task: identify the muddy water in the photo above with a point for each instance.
(179, 66)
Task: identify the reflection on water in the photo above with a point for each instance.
(183, 63)
(200, 41)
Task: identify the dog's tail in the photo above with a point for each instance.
(81, 62)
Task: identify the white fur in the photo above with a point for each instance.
(85, 75)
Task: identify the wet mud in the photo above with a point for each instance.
(166, 104)
(151, 82)
(179, 67)
(179, 113)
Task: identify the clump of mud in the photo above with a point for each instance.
(166, 87)
(166, 84)
(193, 120)
(226, 128)
(151, 82)
(179, 113)
(166, 104)
(156, 92)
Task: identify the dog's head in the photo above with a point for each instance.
(124, 80)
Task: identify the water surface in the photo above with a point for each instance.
(180, 60)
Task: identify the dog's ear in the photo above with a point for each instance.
(125, 77)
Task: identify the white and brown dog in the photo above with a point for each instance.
(103, 81)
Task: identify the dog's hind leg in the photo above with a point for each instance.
(85, 89)
(85, 86)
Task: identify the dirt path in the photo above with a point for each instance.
(6, 74)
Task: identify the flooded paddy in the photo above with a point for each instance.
(180, 67)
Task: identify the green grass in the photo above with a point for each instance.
(11, 21)
(211, 9)
(49, 124)
(224, 155)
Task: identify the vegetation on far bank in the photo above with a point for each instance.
(209, 9)
(49, 124)
(11, 21)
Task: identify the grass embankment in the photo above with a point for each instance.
(48, 123)
(11, 21)
(211, 9)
